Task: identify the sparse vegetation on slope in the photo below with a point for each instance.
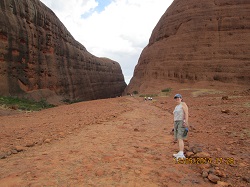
(23, 104)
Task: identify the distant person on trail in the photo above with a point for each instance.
(180, 124)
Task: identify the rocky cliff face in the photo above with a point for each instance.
(38, 54)
(197, 40)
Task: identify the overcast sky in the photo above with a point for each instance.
(116, 29)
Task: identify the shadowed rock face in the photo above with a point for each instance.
(197, 40)
(38, 54)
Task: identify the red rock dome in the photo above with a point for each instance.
(197, 40)
(39, 57)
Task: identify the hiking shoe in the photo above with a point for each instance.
(178, 154)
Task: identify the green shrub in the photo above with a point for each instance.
(167, 90)
(135, 92)
(24, 104)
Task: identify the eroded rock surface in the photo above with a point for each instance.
(197, 40)
(39, 57)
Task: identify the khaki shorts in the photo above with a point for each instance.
(179, 130)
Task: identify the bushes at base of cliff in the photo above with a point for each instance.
(16, 103)
(167, 90)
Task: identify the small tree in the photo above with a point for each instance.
(135, 92)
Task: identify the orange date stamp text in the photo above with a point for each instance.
(204, 160)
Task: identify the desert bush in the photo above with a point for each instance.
(135, 92)
(23, 103)
(167, 90)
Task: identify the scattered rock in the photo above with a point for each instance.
(231, 142)
(202, 155)
(19, 148)
(243, 164)
(3, 156)
(247, 179)
(223, 184)
(189, 154)
(186, 148)
(31, 144)
(40, 142)
(224, 98)
(204, 174)
(196, 149)
(206, 179)
(205, 170)
(233, 165)
(204, 167)
(47, 141)
(233, 153)
(225, 111)
(213, 178)
(219, 173)
(9, 153)
(211, 170)
(62, 134)
(14, 151)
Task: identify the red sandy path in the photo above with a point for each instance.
(130, 148)
(126, 141)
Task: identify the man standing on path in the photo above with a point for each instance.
(180, 124)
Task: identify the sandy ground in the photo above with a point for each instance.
(127, 141)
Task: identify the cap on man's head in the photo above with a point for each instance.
(177, 96)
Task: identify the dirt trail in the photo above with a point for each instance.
(131, 148)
